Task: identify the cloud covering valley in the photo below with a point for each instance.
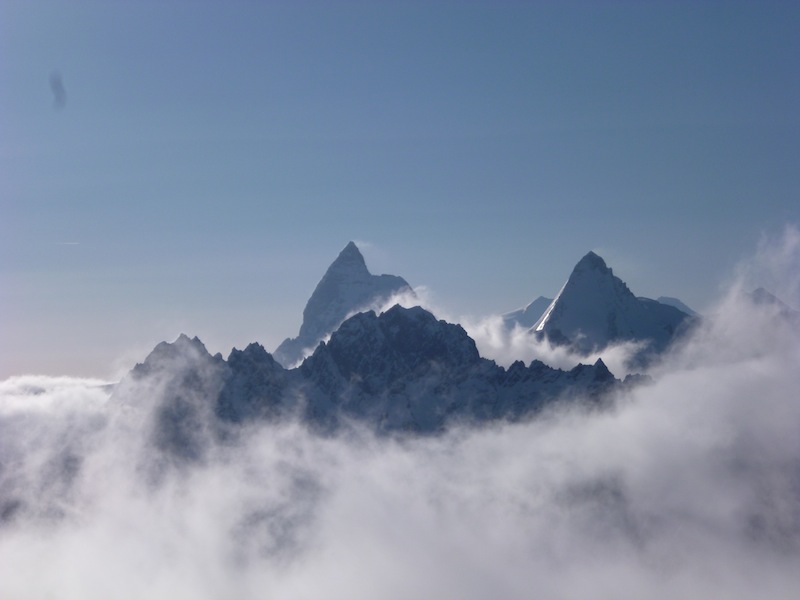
(687, 487)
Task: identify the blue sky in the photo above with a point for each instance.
(211, 159)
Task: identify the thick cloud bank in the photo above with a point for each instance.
(688, 488)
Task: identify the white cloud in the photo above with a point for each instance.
(503, 345)
(26, 393)
(688, 488)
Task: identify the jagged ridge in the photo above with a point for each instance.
(403, 370)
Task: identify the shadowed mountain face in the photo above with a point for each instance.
(406, 371)
(403, 370)
(595, 308)
(347, 287)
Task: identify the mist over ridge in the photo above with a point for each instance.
(686, 487)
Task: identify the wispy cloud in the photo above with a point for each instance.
(505, 345)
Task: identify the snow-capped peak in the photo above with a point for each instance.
(591, 262)
(595, 308)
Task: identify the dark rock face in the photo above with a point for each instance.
(254, 386)
(399, 344)
(401, 371)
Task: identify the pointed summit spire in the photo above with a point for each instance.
(591, 262)
(350, 259)
(596, 308)
(351, 250)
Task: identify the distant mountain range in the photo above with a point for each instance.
(402, 370)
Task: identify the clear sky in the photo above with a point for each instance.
(195, 166)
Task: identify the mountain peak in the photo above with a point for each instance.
(174, 356)
(184, 341)
(350, 256)
(349, 265)
(596, 308)
(592, 262)
(351, 248)
(375, 351)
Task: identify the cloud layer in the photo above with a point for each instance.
(689, 487)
